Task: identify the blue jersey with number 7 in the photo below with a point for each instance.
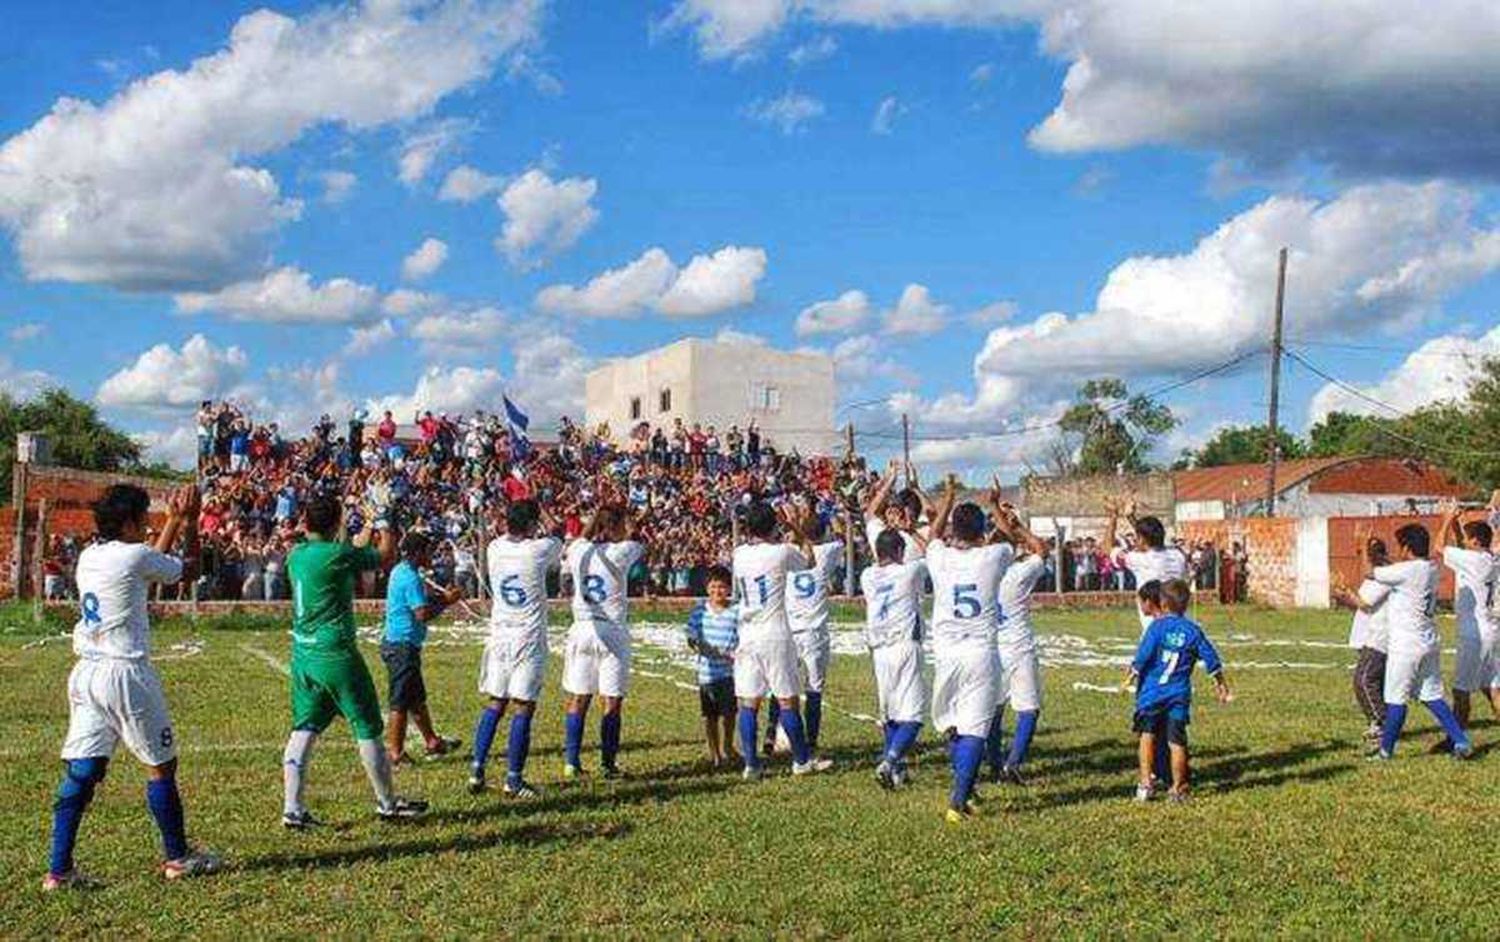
(1164, 661)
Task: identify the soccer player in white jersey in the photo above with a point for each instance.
(1412, 665)
(893, 629)
(807, 612)
(1370, 636)
(766, 661)
(966, 573)
(1021, 670)
(1152, 560)
(597, 657)
(899, 512)
(515, 654)
(114, 693)
(1475, 570)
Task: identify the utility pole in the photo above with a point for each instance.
(906, 446)
(849, 557)
(1271, 425)
(849, 442)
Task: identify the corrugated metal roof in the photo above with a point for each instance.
(1354, 476)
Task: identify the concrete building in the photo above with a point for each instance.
(789, 395)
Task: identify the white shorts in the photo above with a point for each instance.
(900, 688)
(813, 649)
(1413, 675)
(965, 689)
(762, 667)
(596, 661)
(1478, 663)
(1020, 680)
(512, 668)
(110, 700)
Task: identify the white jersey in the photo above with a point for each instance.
(893, 602)
(874, 526)
(1475, 573)
(965, 590)
(1152, 565)
(760, 574)
(1015, 603)
(113, 579)
(807, 589)
(1412, 605)
(601, 572)
(1369, 629)
(518, 579)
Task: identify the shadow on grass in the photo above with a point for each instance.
(525, 835)
(592, 794)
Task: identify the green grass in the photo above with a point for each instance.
(1291, 833)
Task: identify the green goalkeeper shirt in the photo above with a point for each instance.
(323, 575)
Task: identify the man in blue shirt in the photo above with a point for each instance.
(407, 612)
(1163, 672)
(713, 632)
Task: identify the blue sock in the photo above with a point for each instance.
(901, 741)
(572, 737)
(1449, 722)
(968, 753)
(773, 715)
(994, 742)
(1395, 718)
(166, 807)
(749, 744)
(74, 793)
(890, 730)
(812, 718)
(1021, 744)
(484, 735)
(609, 738)
(517, 746)
(791, 721)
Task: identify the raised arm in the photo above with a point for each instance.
(944, 508)
(1116, 507)
(882, 494)
(1450, 532)
(1020, 535)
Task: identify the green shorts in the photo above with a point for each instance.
(332, 685)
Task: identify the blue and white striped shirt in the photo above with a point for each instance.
(716, 630)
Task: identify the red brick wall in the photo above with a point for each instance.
(1346, 539)
(1270, 543)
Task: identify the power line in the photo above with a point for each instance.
(1376, 348)
(1395, 411)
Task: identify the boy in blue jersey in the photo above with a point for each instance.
(713, 632)
(1163, 671)
(408, 611)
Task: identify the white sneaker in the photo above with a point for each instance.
(402, 809)
(1144, 793)
(753, 773)
(197, 863)
(72, 880)
(812, 766)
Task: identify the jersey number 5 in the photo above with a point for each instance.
(966, 602)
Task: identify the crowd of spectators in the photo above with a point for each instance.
(1088, 567)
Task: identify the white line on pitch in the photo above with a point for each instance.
(269, 659)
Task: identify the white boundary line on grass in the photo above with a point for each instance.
(267, 658)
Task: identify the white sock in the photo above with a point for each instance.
(294, 768)
(378, 767)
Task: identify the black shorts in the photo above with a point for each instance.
(404, 664)
(717, 698)
(1169, 720)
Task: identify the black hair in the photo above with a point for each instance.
(322, 515)
(719, 573)
(890, 546)
(910, 502)
(968, 522)
(760, 520)
(1150, 592)
(1175, 594)
(414, 544)
(1416, 539)
(121, 505)
(1479, 532)
(1376, 552)
(1151, 532)
(521, 517)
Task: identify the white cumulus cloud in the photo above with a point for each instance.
(916, 313)
(708, 284)
(338, 185)
(166, 379)
(460, 331)
(424, 260)
(833, 316)
(788, 113)
(1439, 370)
(363, 340)
(287, 296)
(465, 184)
(544, 215)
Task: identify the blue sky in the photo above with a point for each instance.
(1108, 198)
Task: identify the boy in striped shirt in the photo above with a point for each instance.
(713, 632)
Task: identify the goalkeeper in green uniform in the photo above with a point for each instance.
(328, 675)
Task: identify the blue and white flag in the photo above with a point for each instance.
(516, 417)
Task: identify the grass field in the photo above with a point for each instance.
(1291, 833)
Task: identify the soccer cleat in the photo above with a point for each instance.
(753, 773)
(885, 774)
(196, 864)
(1379, 755)
(812, 766)
(72, 880)
(1011, 775)
(901, 775)
(971, 807)
(769, 748)
(611, 772)
(1464, 750)
(572, 773)
(520, 788)
(446, 745)
(1373, 731)
(476, 780)
(402, 809)
(1144, 793)
(1442, 747)
(299, 820)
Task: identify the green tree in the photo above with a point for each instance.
(1107, 430)
(1239, 444)
(80, 438)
